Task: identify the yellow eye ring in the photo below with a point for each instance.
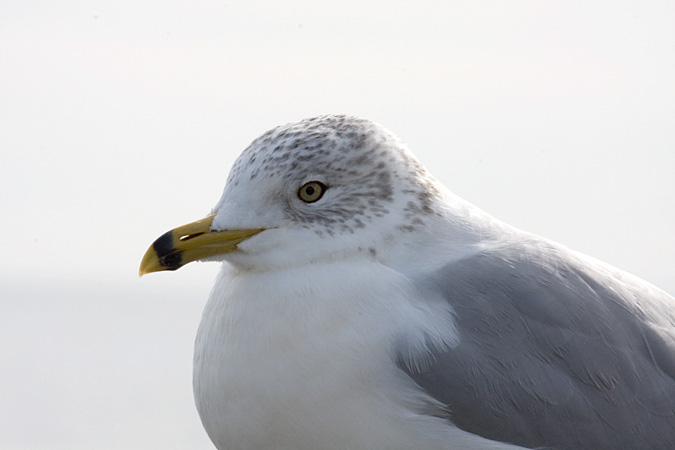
(312, 191)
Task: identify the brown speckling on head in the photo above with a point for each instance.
(365, 167)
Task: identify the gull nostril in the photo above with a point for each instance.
(187, 237)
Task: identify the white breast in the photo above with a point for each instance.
(303, 358)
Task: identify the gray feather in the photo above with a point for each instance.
(555, 351)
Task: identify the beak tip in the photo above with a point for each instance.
(149, 263)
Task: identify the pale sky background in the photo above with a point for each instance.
(120, 120)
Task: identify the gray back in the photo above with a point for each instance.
(555, 351)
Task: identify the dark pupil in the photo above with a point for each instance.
(309, 190)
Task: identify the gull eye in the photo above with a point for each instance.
(312, 191)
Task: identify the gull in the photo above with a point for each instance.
(362, 305)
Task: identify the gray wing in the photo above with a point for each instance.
(555, 351)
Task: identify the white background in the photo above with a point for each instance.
(120, 120)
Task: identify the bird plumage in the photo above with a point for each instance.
(364, 306)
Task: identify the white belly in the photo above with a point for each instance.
(283, 361)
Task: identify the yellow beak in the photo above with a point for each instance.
(191, 242)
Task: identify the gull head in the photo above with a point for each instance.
(324, 188)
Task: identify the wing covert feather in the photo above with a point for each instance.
(555, 351)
